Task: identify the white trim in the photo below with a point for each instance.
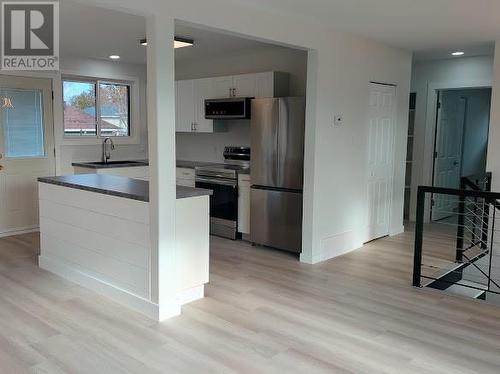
(430, 127)
(123, 297)
(397, 231)
(191, 294)
(333, 246)
(135, 125)
(19, 231)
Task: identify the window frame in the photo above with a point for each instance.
(81, 80)
(98, 107)
(44, 129)
(133, 104)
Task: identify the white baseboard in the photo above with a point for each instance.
(123, 297)
(191, 294)
(333, 246)
(19, 231)
(397, 231)
(137, 303)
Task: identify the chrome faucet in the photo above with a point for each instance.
(106, 153)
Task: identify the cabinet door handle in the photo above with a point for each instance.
(234, 92)
(230, 94)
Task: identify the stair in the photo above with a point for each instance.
(463, 288)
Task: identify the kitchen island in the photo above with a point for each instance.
(94, 230)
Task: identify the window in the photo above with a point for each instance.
(23, 131)
(94, 108)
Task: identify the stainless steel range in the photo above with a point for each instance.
(222, 179)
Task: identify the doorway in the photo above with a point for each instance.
(380, 159)
(461, 141)
(26, 149)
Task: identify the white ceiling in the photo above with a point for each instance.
(93, 32)
(479, 49)
(431, 28)
(97, 33)
(414, 25)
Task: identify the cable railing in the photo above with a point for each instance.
(457, 244)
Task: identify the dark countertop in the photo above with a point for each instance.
(113, 185)
(192, 164)
(111, 164)
(129, 163)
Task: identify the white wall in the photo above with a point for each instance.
(450, 73)
(209, 147)
(493, 163)
(340, 69)
(70, 151)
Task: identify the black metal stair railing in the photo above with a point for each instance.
(479, 182)
(456, 247)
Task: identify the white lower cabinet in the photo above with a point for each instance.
(185, 177)
(244, 204)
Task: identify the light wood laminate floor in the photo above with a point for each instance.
(264, 313)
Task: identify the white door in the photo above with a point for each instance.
(245, 85)
(184, 106)
(223, 87)
(380, 159)
(448, 153)
(203, 89)
(26, 149)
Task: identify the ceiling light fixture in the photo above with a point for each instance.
(178, 42)
(458, 53)
(114, 57)
(182, 42)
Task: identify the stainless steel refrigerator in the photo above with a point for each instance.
(277, 168)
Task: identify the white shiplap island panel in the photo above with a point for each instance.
(102, 242)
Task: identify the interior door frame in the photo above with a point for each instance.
(367, 238)
(434, 151)
(429, 135)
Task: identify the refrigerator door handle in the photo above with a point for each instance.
(278, 181)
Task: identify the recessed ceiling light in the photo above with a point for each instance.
(114, 57)
(178, 42)
(458, 53)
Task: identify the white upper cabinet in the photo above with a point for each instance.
(203, 89)
(184, 106)
(223, 87)
(268, 84)
(245, 85)
(191, 95)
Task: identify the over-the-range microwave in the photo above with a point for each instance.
(230, 108)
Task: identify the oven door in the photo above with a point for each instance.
(223, 205)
